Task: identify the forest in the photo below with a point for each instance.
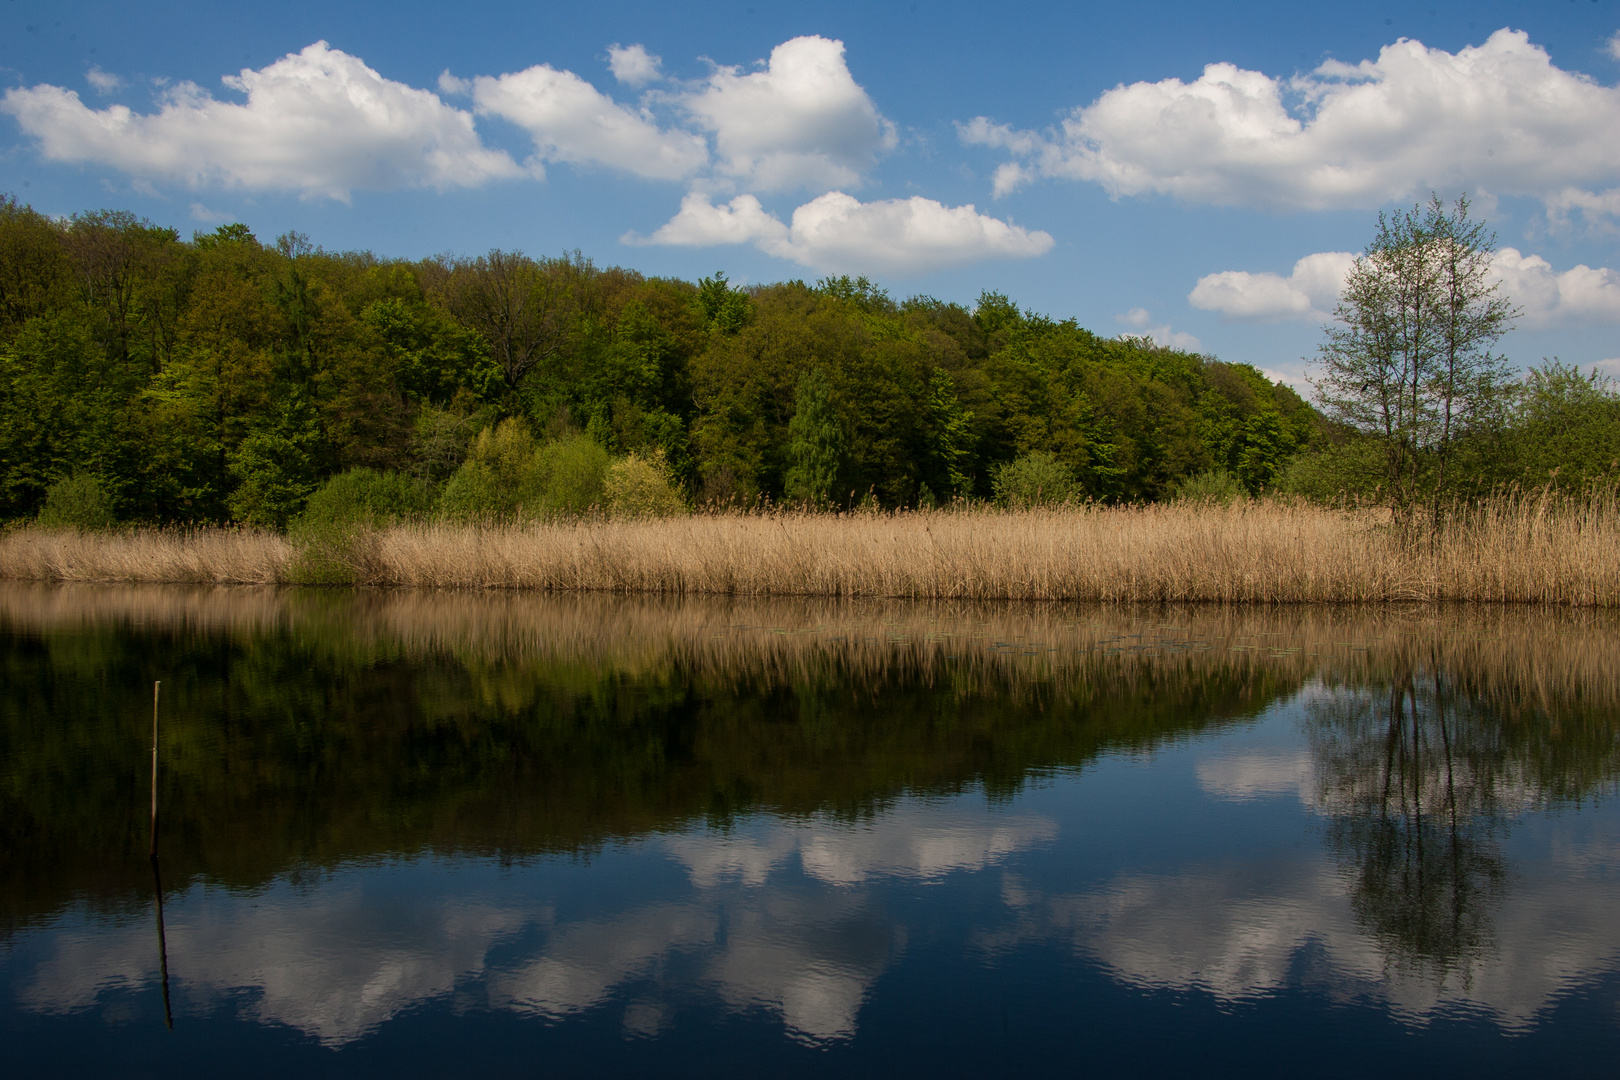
(154, 380)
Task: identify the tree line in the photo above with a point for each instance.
(223, 379)
(146, 378)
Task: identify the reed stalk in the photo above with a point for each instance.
(1525, 548)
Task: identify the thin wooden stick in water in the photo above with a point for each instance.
(163, 945)
(153, 852)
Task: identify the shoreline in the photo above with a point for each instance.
(1525, 550)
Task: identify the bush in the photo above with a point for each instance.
(366, 497)
(473, 493)
(569, 477)
(642, 487)
(1212, 486)
(77, 502)
(1036, 479)
(497, 475)
(505, 477)
(333, 533)
(1350, 470)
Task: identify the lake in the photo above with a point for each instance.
(431, 833)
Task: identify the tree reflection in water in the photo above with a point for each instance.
(1421, 779)
(322, 731)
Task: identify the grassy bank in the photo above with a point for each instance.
(1526, 549)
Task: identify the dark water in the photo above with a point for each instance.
(410, 834)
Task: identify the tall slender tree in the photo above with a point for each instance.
(1411, 357)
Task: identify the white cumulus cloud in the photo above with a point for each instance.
(700, 223)
(101, 81)
(1498, 117)
(839, 233)
(800, 122)
(319, 122)
(1308, 293)
(1552, 298)
(1141, 319)
(570, 120)
(633, 65)
(1547, 297)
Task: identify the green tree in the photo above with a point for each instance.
(817, 445)
(434, 357)
(725, 310)
(527, 311)
(277, 465)
(34, 268)
(1411, 359)
(950, 435)
(1036, 479)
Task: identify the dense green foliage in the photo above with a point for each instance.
(1428, 408)
(1558, 429)
(144, 378)
(223, 379)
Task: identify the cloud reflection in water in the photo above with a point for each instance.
(337, 959)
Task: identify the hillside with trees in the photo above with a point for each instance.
(146, 378)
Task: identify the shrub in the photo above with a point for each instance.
(1212, 486)
(77, 502)
(366, 497)
(1036, 479)
(642, 487)
(1350, 470)
(569, 477)
(508, 449)
(506, 477)
(473, 493)
(497, 475)
(333, 533)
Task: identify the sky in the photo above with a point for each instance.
(1199, 173)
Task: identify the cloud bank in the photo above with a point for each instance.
(1497, 117)
(838, 233)
(1547, 297)
(570, 120)
(323, 124)
(1310, 292)
(317, 122)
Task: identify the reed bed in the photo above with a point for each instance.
(1526, 550)
(151, 556)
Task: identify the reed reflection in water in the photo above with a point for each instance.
(432, 784)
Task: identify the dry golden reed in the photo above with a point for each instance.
(153, 556)
(1529, 549)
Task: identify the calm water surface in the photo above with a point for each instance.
(421, 834)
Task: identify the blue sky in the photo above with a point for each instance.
(1194, 171)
